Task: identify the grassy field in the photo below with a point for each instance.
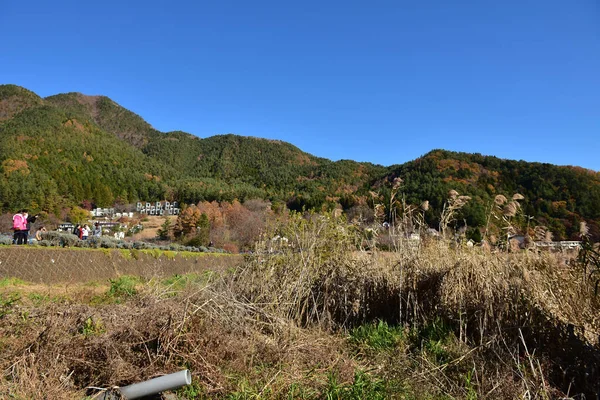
(316, 319)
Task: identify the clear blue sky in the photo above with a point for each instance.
(378, 81)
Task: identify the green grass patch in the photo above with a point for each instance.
(120, 289)
(4, 282)
(135, 253)
(435, 339)
(299, 391)
(92, 327)
(7, 302)
(377, 336)
(156, 253)
(169, 254)
(193, 391)
(364, 386)
(180, 282)
(38, 299)
(247, 391)
(126, 254)
(106, 252)
(123, 286)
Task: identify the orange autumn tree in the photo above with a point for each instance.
(234, 225)
(187, 221)
(213, 211)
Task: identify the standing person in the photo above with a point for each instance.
(17, 223)
(29, 219)
(77, 231)
(20, 227)
(85, 232)
(97, 230)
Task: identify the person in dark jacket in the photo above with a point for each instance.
(30, 220)
(77, 230)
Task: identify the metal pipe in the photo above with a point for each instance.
(157, 385)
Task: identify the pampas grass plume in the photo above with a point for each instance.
(510, 210)
(583, 229)
(500, 199)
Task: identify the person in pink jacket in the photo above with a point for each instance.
(20, 227)
(16, 226)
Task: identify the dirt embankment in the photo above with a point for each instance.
(55, 265)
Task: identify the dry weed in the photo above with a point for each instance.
(514, 324)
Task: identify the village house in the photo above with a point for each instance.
(158, 208)
(103, 212)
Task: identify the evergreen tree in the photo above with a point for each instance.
(164, 232)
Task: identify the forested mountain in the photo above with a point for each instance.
(71, 148)
(558, 197)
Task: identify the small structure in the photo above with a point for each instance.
(562, 245)
(108, 226)
(158, 208)
(66, 227)
(103, 212)
(125, 214)
(516, 242)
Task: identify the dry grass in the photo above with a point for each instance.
(475, 325)
(65, 347)
(499, 299)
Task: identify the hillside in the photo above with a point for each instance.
(558, 197)
(14, 99)
(52, 158)
(70, 148)
(108, 115)
(65, 146)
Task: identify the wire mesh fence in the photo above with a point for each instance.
(56, 265)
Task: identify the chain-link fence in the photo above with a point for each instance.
(54, 265)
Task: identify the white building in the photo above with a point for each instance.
(158, 208)
(103, 212)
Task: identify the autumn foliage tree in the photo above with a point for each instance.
(187, 221)
(234, 225)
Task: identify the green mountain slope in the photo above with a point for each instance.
(90, 148)
(108, 115)
(559, 197)
(52, 158)
(14, 99)
(70, 148)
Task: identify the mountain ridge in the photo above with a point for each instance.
(96, 98)
(71, 148)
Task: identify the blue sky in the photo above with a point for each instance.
(378, 81)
